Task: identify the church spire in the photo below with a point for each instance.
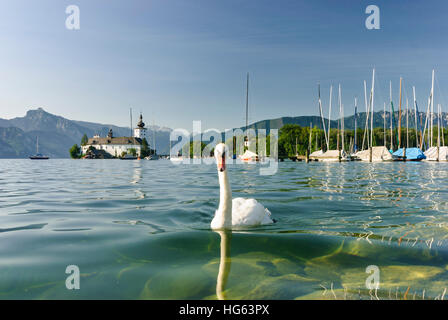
(140, 130)
(140, 123)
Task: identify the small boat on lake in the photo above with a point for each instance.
(38, 156)
(408, 154)
(152, 157)
(249, 156)
(129, 157)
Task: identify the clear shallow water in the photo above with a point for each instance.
(140, 230)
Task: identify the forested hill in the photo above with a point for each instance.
(349, 122)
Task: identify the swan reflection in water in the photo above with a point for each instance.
(224, 264)
(231, 213)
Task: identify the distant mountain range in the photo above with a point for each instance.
(57, 134)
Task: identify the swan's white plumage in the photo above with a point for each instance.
(245, 212)
(242, 212)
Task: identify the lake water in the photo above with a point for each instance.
(141, 230)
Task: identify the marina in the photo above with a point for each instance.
(369, 153)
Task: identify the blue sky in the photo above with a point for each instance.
(179, 61)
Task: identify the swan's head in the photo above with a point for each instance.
(220, 156)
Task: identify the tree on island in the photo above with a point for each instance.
(84, 140)
(132, 152)
(75, 152)
(145, 151)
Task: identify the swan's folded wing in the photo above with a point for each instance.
(249, 212)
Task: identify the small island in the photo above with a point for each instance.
(110, 147)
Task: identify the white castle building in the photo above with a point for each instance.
(115, 146)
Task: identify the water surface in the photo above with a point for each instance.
(141, 230)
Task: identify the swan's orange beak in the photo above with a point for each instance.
(222, 163)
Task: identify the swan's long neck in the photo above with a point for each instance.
(225, 199)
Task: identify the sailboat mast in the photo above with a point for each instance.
(407, 123)
(37, 145)
(432, 107)
(329, 116)
(399, 118)
(441, 124)
(391, 119)
(343, 127)
(246, 139)
(384, 129)
(341, 113)
(247, 100)
(426, 125)
(372, 95)
(322, 117)
(438, 125)
(415, 113)
(337, 137)
(366, 127)
(438, 132)
(356, 120)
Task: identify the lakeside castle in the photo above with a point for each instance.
(116, 146)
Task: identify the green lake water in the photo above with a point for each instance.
(141, 230)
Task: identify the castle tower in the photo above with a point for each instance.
(140, 131)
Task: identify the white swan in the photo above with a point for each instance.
(239, 211)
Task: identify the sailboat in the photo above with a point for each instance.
(438, 153)
(378, 153)
(38, 156)
(407, 153)
(339, 154)
(153, 156)
(248, 156)
(318, 153)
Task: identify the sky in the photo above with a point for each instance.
(177, 61)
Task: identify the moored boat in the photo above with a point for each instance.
(436, 154)
(408, 154)
(249, 156)
(378, 154)
(332, 156)
(129, 157)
